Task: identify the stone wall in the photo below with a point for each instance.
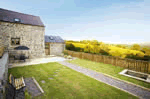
(56, 48)
(30, 36)
(3, 73)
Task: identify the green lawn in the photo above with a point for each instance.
(108, 69)
(68, 84)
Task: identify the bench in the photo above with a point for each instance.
(17, 83)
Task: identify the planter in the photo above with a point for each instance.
(136, 75)
(69, 57)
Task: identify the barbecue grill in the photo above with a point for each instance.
(21, 56)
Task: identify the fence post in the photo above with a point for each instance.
(72, 53)
(104, 59)
(148, 66)
(116, 61)
(136, 65)
(129, 62)
(93, 57)
(82, 55)
(112, 60)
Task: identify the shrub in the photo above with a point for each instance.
(87, 48)
(65, 52)
(75, 46)
(62, 54)
(70, 47)
(116, 51)
(146, 50)
(65, 56)
(69, 57)
(79, 45)
(135, 47)
(78, 49)
(96, 47)
(121, 46)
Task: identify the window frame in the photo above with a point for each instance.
(15, 40)
(17, 19)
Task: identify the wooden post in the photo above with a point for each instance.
(140, 66)
(148, 66)
(82, 55)
(103, 59)
(136, 65)
(112, 60)
(93, 57)
(128, 64)
(116, 61)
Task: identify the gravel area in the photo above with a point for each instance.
(132, 89)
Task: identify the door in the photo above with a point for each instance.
(47, 49)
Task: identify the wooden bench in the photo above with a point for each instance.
(17, 83)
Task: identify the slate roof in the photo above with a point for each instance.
(53, 39)
(10, 16)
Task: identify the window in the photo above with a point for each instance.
(15, 41)
(51, 38)
(17, 20)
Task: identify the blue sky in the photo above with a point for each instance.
(111, 21)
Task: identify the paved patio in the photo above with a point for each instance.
(140, 92)
(45, 59)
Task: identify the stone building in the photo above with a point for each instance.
(54, 45)
(22, 29)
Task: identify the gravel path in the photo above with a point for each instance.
(132, 89)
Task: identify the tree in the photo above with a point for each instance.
(121, 46)
(135, 47)
(87, 48)
(94, 42)
(101, 43)
(70, 47)
(146, 51)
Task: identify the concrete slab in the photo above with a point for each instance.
(37, 61)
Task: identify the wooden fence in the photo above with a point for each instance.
(137, 65)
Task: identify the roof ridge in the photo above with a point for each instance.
(18, 12)
(56, 39)
(9, 16)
